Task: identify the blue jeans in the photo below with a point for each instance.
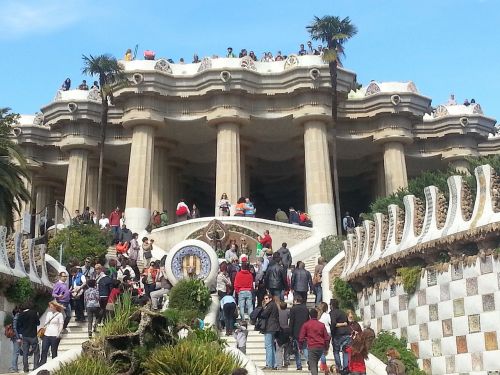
(30, 344)
(270, 350)
(115, 230)
(318, 290)
(245, 298)
(67, 312)
(15, 354)
(51, 342)
(340, 343)
(298, 356)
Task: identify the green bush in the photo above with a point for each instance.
(41, 301)
(121, 323)
(176, 317)
(331, 246)
(86, 365)
(344, 293)
(190, 294)
(386, 340)
(190, 357)
(21, 291)
(8, 319)
(208, 335)
(80, 241)
(411, 277)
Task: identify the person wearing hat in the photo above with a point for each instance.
(54, 322)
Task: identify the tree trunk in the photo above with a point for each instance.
(333, 81)
(104, 121)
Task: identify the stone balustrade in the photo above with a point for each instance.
(418, 230)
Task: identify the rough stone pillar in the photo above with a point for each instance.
(76, 182)
(228, 165)
(25, 208)
(318, 178)
(380, 186)
(394, 167)
(245, 173)
(172, 192)
(110, 196)
(44, 197)
(460, 165)
(159, 195)
(92, 178)
(138, 202)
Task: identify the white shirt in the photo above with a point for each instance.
(103, 222)
(325, 319)
(55, 326)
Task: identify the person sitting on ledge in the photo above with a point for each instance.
(279, 56)
(148, 55)
(95, 86)
(196, 59)
(83, 85)
(230, 52)
(128, 55)
(243, 53)
(252, 56)
(66, 85)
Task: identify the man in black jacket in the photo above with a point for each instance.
(275, 279)
(340, 335)
(27, 324)
(270, 313)
(286, 257)
(104, 285)
(301, 281)
(298, 316)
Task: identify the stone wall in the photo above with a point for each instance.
(451, 322)
(6, 308)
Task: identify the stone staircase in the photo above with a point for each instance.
(111, 254)
(77, 334)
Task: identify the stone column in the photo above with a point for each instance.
(380, 186)
(44, 197)
(228, 165)
(24, 208)
(460, 165)
(159, 195)
(245, 172)
(318, 178)
(173, 194)
(110, 196)
(92, 178)
(138, 203)
(394, 167)
(76, 182)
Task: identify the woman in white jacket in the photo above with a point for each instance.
(54, 322)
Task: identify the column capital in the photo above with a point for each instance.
(165, 143)
(129, 123)
(78, 143)
(227, 117)
(393, 128)
(302, 119)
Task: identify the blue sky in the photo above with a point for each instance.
(444, 46)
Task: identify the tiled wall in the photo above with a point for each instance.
(452, 321)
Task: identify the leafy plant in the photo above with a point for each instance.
(386, 340)
(331, 246)
(86, 365)
(41, 301)
(344, 293)
(190, 357)
(410, 276)
(8, 319)
(120, 324)
(21, 291)
(80, 241)
(207, 336)
(190, 294)
(176, 317)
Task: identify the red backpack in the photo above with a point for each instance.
(9, 331)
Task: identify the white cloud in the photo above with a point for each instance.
(20, 18)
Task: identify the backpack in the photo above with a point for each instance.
(350, 222)
(9, 331)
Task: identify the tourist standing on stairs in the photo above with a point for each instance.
(283, 338)
(133, 255)
(324, 317)
(286, 257)
(91, 299)
(275, 278)
(301, 281)
(223, 281)
(243, 286)
(104, 283)
(62, 295)
(114, 222)
(87, 269)
(348, 223)
(54, 322)
(78, 283)
(341, 335)
(182, 212)
(224, 205)
(298, 316)
(314, 334)
(270, 314)
(394, 364)
(27, 325)
(16, 340)
(317, 279)
(228, 306)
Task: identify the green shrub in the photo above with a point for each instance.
(190, 357)
(344, 293)
(381, 204)
(80, 241)
(86, 365)
(331, 246)
(177, 317)
(8, 319)
(190, 294)
(411, 277)
(121, 323)
(41, 301)
(209, 335)
(386, 340)
(21, 291)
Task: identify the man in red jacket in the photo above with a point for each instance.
(266, 240)
(243, 286)
(318, 340)
(114, 222)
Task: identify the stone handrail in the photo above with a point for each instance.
(395, 235)
(19, 270)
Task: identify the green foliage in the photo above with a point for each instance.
(493, 160)
(13, 171)
(8, 319)
(386, 340)
(177, 317)
(121, 323)
(86, 365)
(208, 335)
(381, 204)
(410, 276)
(80, 241)
(331, 246)
(190, 357)
(344, 293)
(41, 301)
(21, 292)
(190, 294)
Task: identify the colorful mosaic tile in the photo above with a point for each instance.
(489, 302)
(426, 364)
(457, 272)
(444, 290)
(477, 361)
(447, 327)
(450, 364)
(386, 306)
(461, 344)
(431, 277)
(414, 348)
(474, 323)
(436, 348)
(421, 298)
(486, 265)
(424, 331)
(412, 317)
(458, 307)
(378, 295)
(372, 311)
(393, 290)
(404, 332)
(394, 320)
(433, 312)
(471, 286)
(490, 341)
(403, 302)
(379, 324)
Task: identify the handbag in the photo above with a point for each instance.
(147, 254)
(317, 278)
(41, 331)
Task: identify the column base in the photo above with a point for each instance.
(323, 218)
(137, 218)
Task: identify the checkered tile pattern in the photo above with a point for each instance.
(452, 321)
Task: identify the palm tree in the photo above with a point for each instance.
(13, 171)
(110, 73)
(334, 32)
